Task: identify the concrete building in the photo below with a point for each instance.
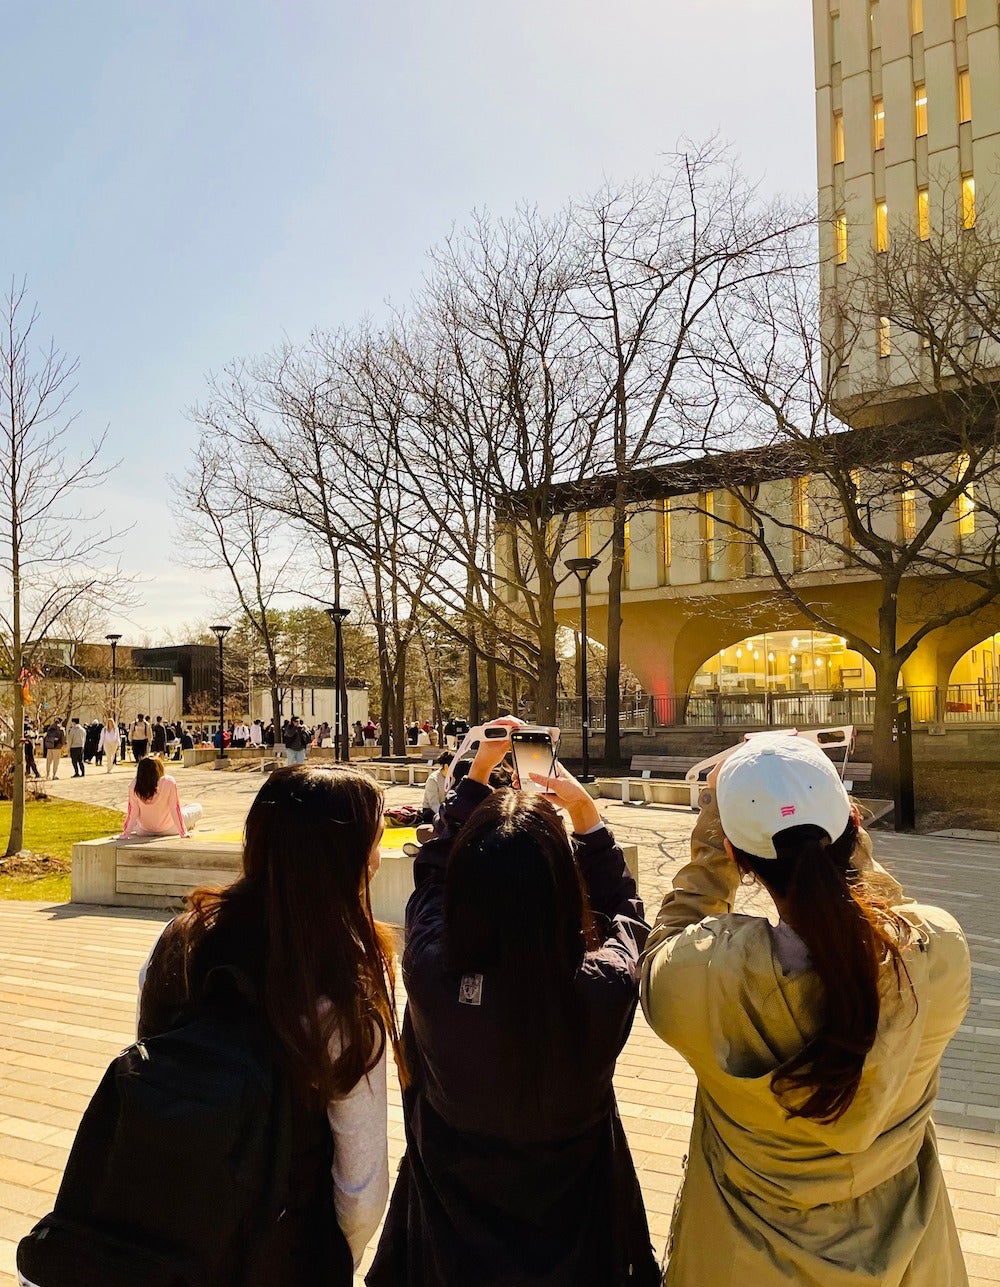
(908, 148)
(908, 139)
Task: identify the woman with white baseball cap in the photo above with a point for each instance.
(816, 1041)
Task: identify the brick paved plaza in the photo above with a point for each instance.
(67, 988)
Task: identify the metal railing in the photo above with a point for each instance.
(955, 704)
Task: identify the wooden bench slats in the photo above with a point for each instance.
(179, 878)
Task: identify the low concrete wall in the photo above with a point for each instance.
(161, 871)
(643, 791)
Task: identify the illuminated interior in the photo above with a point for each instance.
(978, 667)
(785, 661)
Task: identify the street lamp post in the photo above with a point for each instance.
(341, 745)
(113, 641)
(581, 569)
(220, 633)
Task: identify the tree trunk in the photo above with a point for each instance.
(16, 840)
(514, 702)
(399, 703)
(276, 706)
(884, 767)
(474, 706)
(612, 677)
(492, 700)
(548, 674)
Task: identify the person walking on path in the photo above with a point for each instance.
(110, 742)
(30, 767)
(521, 964)
(139, 735)
(154, 806)
(816, 1042)
(76, 739)
(158, 737)
(298, 926)
(53, 740)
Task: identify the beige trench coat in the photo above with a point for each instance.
(768, 1199)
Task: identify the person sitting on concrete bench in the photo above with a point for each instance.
(154, 806)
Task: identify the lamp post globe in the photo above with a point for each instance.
(581, 569)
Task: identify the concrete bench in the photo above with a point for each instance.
(856, 773)
(409, 774)
(161, 870)
(648, 791)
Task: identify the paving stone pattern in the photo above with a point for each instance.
(67, 1006)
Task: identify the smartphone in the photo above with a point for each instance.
(533, 753)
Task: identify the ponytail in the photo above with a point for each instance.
(849, 931)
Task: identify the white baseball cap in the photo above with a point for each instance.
(776, 781)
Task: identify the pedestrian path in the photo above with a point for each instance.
(67, 1006)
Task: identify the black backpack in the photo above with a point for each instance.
(179, 1172)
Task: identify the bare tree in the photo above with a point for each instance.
(513, 399)
(661, 257)
(870, 448)
(225, 525)
(52, 554)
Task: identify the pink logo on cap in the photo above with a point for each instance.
(787, 810)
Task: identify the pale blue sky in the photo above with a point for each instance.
(185, 183)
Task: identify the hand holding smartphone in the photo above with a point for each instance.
(533, 753)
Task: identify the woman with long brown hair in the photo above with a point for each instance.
(298, 926)
(816, 1041)
(520, 966)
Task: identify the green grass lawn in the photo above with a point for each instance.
(52, 827)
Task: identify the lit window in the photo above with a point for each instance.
(881, 227)
(907, 504)
(840, 238)
(664, 541)
(834, 37)
(966, 504)
(916, 16)
(584, 538)
(884, 337)
(968, 201)
(838, 138)
(800, 519)
(960, 8)
(708, 534)
(878, 124)
(920, 109)
(964, 97)
(923, 214)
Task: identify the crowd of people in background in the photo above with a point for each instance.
(105, 743)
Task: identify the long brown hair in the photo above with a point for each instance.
(516, 910)
(850, 931)
(328, 968)
(148, 772)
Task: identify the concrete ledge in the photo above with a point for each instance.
(644, 790)
(160, 871)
